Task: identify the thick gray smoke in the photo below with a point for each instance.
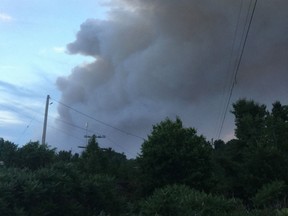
(167, 58)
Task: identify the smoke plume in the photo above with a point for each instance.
(166, 58)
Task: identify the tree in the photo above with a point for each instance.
(219, 144)
(89, 160)
(99, 193)
(277, 126)
(258, 156)
(257, 126)
(34, 155)
(8, 151)
(229, 169)
(173, 154)
(101, 160)
(249, 120)
(64, 156)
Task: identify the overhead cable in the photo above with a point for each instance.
(237, 68)
(99, 121)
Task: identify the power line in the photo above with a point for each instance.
(224, 100)
(91, 131)
(25, 130)
(34, 119)
(64, 132)
(59, 130)
(85, 129)
(74, 125)
(237, 67)
(245, 41)
(115, 144)
(99, 121)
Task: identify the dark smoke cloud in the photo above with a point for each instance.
(167, 58)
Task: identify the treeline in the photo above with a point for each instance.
(177, 172)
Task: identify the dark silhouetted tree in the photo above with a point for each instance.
(34, 155)
(249, 120)
(8, 152)
(174, 154)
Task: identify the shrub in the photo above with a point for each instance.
(182, 200)
(272, 195)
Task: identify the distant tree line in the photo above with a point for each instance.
(177, 172)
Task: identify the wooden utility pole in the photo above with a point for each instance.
(45, 121)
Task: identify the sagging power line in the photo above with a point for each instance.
(99, 121)
(242, 45)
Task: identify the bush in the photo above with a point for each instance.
(57, 190)
(182, 200)
(282, 212)
(272, 195)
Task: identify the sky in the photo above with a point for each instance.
(117, 67)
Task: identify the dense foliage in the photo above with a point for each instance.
(177, 172)
(173, 154)
(174, 200)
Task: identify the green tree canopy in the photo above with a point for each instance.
(8, 152)
(174, 154)
(277, 126)
(34, 155)
(249, 120)
(259, 154)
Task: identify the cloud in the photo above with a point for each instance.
(9, 88)
(59, 49)
(7, 118)
(5, 17)
(162, 58)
